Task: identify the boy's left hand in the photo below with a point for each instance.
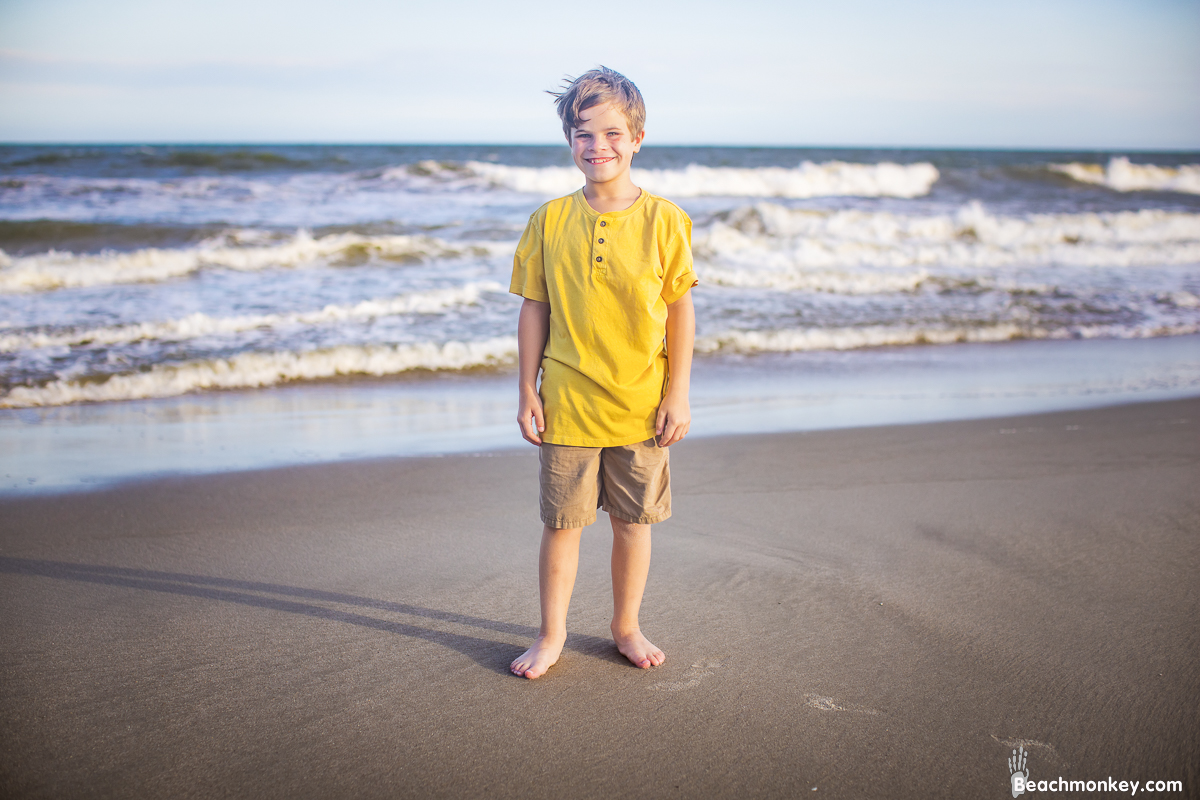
(674, 419)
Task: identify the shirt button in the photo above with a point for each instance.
(599, 258)
(602, 223)
(601, 241)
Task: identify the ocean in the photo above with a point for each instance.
(133, 273)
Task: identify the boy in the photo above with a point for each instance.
(605, 273)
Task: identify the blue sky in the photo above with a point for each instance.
(1054, 73)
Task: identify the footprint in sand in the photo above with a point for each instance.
(1044, 750)
(693, 676)
(822, 703)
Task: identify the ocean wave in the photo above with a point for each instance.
(55, 270)
(196, 325)
(263, 369)
(856, 338)
(255, 370)
(769, 246)
(832, 178)
(1123, 176)
(805, 278)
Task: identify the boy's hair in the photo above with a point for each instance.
(594, 87)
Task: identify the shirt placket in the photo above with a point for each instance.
(600, 247)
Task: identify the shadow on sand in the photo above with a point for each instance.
(487, 653)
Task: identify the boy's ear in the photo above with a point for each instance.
(637, 140)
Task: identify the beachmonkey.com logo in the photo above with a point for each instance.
(1018, 777)
(1018, 773)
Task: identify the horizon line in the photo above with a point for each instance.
(335, 143)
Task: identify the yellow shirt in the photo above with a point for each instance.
(608, 279)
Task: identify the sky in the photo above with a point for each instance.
(1068, 74)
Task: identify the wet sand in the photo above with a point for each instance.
(879, 612)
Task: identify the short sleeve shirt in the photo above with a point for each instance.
(608, 279)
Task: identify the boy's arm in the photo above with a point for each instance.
(533, 327)
(675, 413)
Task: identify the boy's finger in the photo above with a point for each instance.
(528, 432)
(668, 433)
(677, 434)
(658, 423)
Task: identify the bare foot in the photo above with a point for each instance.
(638, 649)
(534, 662)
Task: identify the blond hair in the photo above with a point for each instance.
(594, 87)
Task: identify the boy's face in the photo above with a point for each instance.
(602, 145)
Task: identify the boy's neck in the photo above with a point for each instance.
(615, 195)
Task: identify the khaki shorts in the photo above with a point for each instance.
(631, 482)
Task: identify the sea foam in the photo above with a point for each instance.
(767, 245)
(1123, 176)
(55, 270)
(196, 325)
(832, 178)
(855, 338)
(252, 370)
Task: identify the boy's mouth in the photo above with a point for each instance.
(600, 160)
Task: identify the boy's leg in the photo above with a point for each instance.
(569, 487)
(557, 564)
(630, 568)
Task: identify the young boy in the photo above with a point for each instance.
(608, 320)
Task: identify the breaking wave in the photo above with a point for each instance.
(832, 178)
(55, 270)
(1122, 176)
(855, 338)
(196, 325)
(254, 370)
(859, 252)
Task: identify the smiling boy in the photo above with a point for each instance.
(608, 322)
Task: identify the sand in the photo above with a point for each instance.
(880, 612)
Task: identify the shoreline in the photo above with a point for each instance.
(78, 447)
(932, 597)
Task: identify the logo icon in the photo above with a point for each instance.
(1018, 772)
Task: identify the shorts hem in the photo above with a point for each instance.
(644, 519)
(559, 523)
(583, 441)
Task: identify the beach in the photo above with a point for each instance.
(267, 528)
(883, 611)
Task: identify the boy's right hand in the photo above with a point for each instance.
(530, 418)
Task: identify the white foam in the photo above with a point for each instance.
(807, 180)
(196, 325)
(1181, 299)
(1123, 176)
(807, 339)
(770, 246)
(55, 270)
(252, 370)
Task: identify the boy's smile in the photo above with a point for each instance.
(602, 146)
